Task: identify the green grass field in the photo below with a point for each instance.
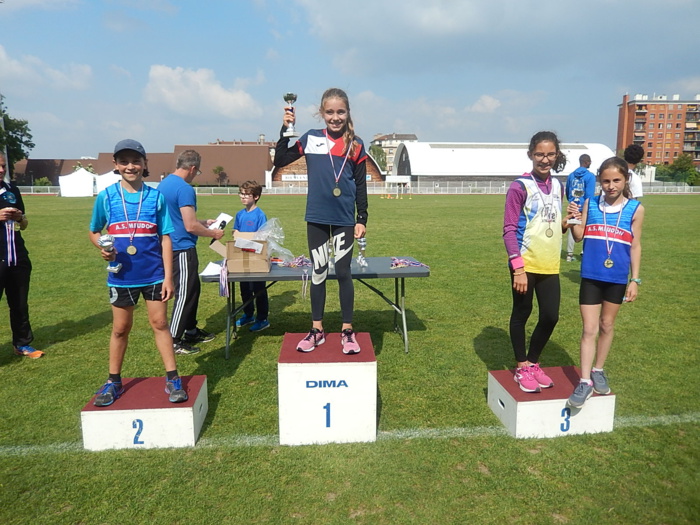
(441, 455)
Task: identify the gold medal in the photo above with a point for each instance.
(131, 250)
(549, 232)
(336, 192)
(608, 263)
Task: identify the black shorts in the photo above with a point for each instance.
(595, 292)
(123, 297)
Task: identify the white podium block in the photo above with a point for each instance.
(326, 396)
(545, 414)
(143, 417)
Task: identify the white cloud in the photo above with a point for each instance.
(197, 93)
(23, 77)
(485, 104)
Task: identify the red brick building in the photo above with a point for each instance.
(665, 128)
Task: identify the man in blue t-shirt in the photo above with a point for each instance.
(579, 180)
(182, 205)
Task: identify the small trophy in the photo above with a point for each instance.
(290, 98)
(106, 242)
(577, 190)
(362, 244)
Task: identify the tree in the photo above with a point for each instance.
(378, 155)
(683, 169)
(221, 176)
(15, 136)
(89, 167)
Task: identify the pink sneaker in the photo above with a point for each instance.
(312, 340)
(542, 379)
(523, 376)
(347, 338)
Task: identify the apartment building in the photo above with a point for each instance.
(665, 128)
(390, 143)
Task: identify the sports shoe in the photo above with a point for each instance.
(600, 382)
(259, 326)
(312, 340)
(198, 336)
(182, 348)
(108, 394)
(523, 376)
(570, 258)
(542, 379)
(349, 342)
(245, 320)
(581, 394)
(28, 351)
(173, 387)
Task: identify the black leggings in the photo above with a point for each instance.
(548, 293)
(343, 241)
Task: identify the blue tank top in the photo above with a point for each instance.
(619, 239)
(146, 265)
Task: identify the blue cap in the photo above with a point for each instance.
(130, 144)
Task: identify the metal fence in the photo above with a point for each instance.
(378, 188)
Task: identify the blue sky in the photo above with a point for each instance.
(87, 73)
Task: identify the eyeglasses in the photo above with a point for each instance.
(550, 156)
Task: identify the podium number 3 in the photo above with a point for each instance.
(327, 408)
(566, 414)
(138, 425)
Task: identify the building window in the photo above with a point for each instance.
(651, 135)
(651, 115)
(678, 135)
(658, 154)
(679, 106)
(669, 126)
(648, 154)
(679, 116)
(661, 115)
(659, 135)
(678, 126)
(650, 144)
(661, 125)
(675, 154)
(670, 115)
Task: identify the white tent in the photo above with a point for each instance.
(77, 184)
(106, 179)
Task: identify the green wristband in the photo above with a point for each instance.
(638, 281)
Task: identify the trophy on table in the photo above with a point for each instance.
(578, 190)
(106, 242)
(290, 98)
(362, 245)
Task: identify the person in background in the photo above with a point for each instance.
(250, 219)
(137, 217)
(581, 178)
(634, 154)
(15, 266)
(182, 205)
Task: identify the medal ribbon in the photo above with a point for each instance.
(126, 215)
(547, 205)
(347, 154)
(605, 226)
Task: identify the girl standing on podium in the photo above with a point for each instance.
(611, 230)
(336, 207)
(532, 233)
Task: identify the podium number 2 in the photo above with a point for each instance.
(566, 414)
(138, 425)
(327, 408)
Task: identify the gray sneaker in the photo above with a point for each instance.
(173, 387)
(600, 382)
(581, 394)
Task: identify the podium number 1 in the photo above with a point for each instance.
(327, 408)
(138, 425)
